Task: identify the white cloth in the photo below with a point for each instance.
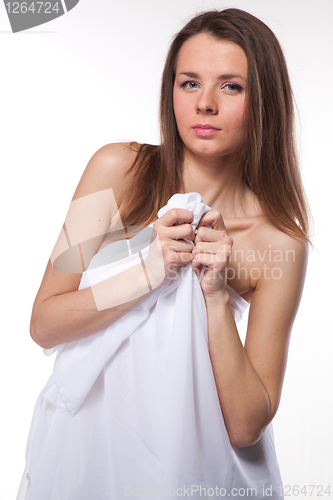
(133, 410)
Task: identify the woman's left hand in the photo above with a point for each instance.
(212, 248)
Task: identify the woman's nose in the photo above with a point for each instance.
(207, 102)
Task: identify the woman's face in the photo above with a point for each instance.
(209, 95)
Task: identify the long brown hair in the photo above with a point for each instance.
(269, 159)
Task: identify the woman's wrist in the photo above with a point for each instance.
(217, 300)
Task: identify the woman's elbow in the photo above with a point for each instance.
(244, 439)
(36, 333)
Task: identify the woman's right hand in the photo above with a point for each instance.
(168, 251)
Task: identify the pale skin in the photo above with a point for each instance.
(210, 88)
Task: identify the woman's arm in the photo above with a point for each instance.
(60, 316)
(249, 379)
(61, 312)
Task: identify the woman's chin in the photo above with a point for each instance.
(211, 150)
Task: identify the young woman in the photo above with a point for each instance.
(153, 393)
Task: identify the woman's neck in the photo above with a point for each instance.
(219, 182)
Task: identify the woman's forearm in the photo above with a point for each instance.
(244, 400)
(76, 314)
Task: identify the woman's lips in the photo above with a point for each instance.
(205, 129)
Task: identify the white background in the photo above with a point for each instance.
(92, 77)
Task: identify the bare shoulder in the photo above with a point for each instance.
(108, 168)
(281, 258)
(266, 236)
(262, 254)
(117, 154)
(95, 203)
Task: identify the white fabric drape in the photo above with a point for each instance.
(133, 410)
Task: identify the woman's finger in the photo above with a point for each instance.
(176, 215)
(215, 261)
(176, 224)
(214, 218)
(179, 232)
(205, 234)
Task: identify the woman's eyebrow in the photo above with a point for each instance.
(221, 77)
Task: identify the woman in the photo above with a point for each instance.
(114, 428)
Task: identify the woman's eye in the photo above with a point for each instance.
(234, 87)
(190, 84)
(231, 87)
